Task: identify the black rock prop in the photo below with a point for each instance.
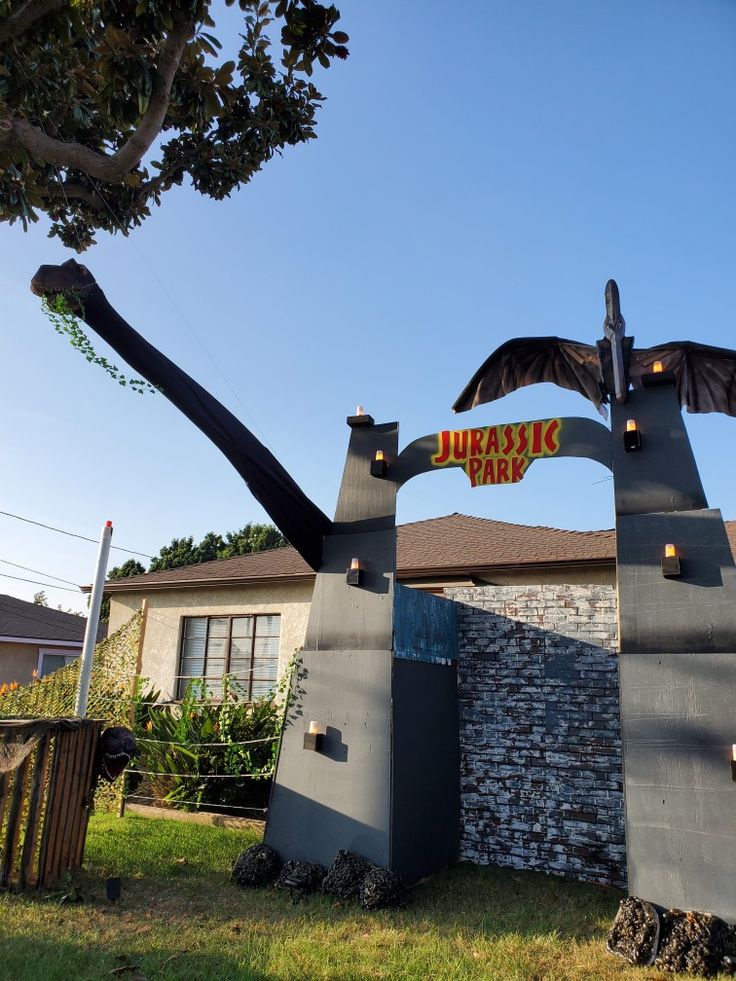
(301, 877)
(256, 866)
(635, 932)
(345, 875)
(381, 889)
(695, 943)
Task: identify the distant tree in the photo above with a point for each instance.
(251, 538)
(130, 568)
(41, 599)
(181, 551)
(88, 88)
(184, 551)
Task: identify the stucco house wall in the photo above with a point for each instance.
(168, 607)
(18, 661)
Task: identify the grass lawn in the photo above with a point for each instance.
(180, 917)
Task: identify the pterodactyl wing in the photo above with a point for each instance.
(529, 360)
(705, 376)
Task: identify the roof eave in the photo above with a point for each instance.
(121, 586)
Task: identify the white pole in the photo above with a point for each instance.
(93, 619)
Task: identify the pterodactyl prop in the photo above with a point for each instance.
(705, 377)
(299, 519)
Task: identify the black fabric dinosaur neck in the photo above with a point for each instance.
(300, 520)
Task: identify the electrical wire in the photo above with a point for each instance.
(166, 293)
(178, 309)
(71, 534)
(36, 582)
(39, 572)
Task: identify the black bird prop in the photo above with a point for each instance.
(705, 377)
(115, 750)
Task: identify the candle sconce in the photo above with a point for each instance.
(354, 575)
(378, 465)
(657, 376)
(671, 563)
(314, 737)
(632, 437)
(361, 418)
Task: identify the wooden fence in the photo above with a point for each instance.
(46, 783)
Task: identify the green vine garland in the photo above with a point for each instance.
(64, 321)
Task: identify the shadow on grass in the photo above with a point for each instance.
(194, 861)
(39, 958)
(181, 918)
(494, 901)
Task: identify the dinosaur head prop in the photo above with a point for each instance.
(70, 278)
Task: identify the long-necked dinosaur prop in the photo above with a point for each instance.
(296, 515)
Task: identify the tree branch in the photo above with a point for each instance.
(77, 192)
(111, 168)
(25, 16)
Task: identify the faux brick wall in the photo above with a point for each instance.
(541, 773)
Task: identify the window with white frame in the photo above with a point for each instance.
(53, 659)
(244, 647)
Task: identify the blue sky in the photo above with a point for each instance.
(482, 169)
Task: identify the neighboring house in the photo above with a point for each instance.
(246, 616)
(37, 638)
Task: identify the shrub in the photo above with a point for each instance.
(195, 749)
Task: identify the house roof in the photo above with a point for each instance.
(453, 545)
(462, 543)
(18, 618)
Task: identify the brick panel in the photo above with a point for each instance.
(541, 771)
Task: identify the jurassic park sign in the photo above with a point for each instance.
(497, 454)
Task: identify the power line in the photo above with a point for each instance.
(181, 313)
(49, 585)
(72, 534)
(39, 572)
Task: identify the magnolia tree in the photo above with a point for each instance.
(104, 106)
